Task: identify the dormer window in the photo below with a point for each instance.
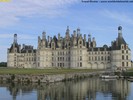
(80, 42)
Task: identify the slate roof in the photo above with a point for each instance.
(11, 49)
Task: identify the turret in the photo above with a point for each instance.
(89, 40)
(15, 38)
(67, 33)
(93, 42)
(48, 39)
(39, 42)
(78, 32)
(74, 38)
(84, 39)
(74, 34)
(44, 36)
(58, 36)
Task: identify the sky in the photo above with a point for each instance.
(29, 18)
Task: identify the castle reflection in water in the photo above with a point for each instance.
(87, 89)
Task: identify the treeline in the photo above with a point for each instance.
(3, 64)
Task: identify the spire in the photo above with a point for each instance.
(15, 38)
(120, 40)
(119, 32)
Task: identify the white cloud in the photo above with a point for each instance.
(11, 11)
(123, 17)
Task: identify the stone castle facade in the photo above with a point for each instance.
(72, 51)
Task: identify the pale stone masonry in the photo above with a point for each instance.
(72, 51)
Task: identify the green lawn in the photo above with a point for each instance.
(42, 71)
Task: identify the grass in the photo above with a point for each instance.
(43, 71)
(129, 72)
(130, 69)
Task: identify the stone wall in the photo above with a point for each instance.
(47, 78)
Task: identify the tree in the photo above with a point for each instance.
(3, 64)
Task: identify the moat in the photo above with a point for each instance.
(84, 89)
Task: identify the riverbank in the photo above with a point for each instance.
(45, 75)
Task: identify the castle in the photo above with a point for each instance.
(72, 51)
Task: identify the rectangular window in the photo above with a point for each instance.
(80, 58)
(98, 58)
(89, 58)
(68, 58)
(80, 64)
(52, 54)
(127, 57)
(80, 51)
(95, 58)
(122, 51)
(122, 57)
(102, 58)
(122, 64)
(60, 58)
(127, 64)
(108, 58)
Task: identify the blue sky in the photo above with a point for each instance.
(29, 18)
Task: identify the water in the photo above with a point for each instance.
(87, 89)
